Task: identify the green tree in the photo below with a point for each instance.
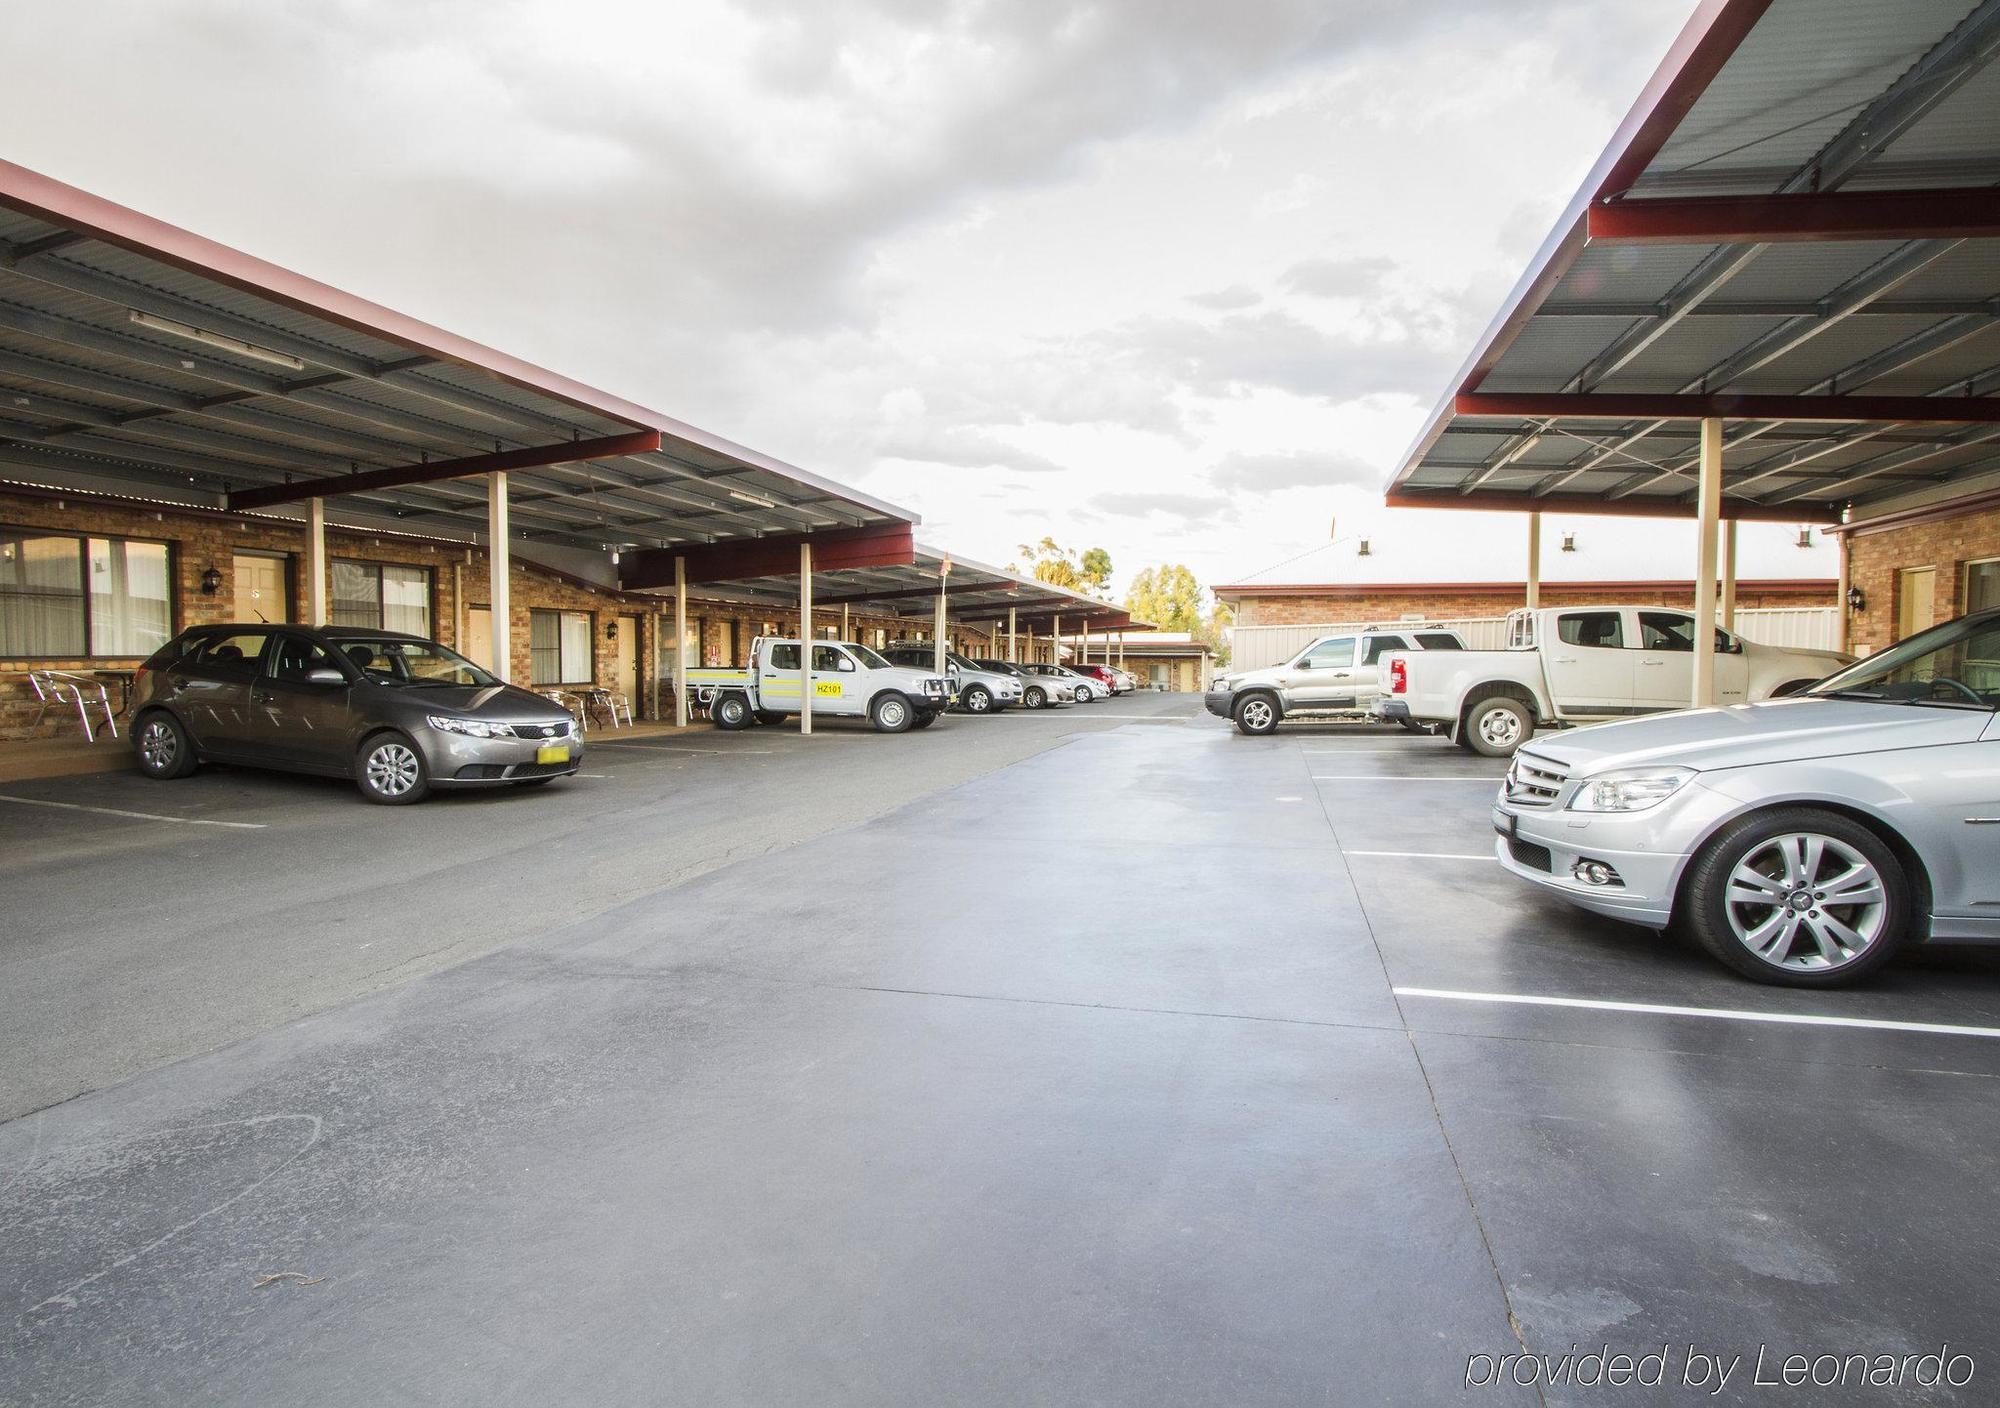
(1049, 561)
(1168, 596)
(1095, 570)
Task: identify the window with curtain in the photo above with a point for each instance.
(385, 595)
(559, 647)
(65, 597)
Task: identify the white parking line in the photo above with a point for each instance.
(136, 816)
(1426, 855)
(1726, 1013)
(1488, 781)
(672, 747)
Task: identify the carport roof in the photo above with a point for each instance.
(1796, 229)
(974, 591)
(142, 360)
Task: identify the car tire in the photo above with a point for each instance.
(770, 718)
(1035, 698)
(891, 713)
(1086, 694)
(1258, 715)
(163, 747)
(925, 718)
(731, 712)
(977, 699)
(1497, 725)
(390, 770)
(1800, 940)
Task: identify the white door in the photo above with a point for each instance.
(260, 588)
(836, 681)
(628, 659)
(479, 636)
(1590, 671)
(1916, 600)
(1324, 675)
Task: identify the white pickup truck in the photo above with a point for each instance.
(848, 681)
(1582, 664)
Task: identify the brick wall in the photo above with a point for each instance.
(197, 542)
(1876, 560)
(1312, 609)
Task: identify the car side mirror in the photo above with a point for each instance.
(1304, 665)
(325, 677)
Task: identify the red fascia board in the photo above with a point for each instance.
(884, 545)
(1837, 215)
(1790, 586)
(1743, 510)
(1712, 34)
(639, 442)
(1845, 410)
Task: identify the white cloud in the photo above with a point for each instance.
(1179, 277)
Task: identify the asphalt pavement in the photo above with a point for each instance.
(1134, 1062)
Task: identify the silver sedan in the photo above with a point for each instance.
(1801, 841)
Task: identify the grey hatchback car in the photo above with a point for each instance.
(396, 713)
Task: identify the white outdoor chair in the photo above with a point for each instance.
(61, 687)
(580, 714)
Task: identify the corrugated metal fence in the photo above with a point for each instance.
(1253, 647)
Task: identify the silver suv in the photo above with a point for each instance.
(1802, 840)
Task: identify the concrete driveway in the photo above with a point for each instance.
(1113, 1071)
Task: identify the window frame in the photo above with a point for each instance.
(1616, 613)
(1965, 606)
(83, 542)
(562, 666)
(380, 623)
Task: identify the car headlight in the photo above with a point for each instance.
(472, 728)
(1629, 789)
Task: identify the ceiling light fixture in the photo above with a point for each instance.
(216, 340)
(742, 497)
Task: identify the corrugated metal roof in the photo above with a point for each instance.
(153, 360)
(1785, 99)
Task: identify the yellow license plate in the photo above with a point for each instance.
(555, 753)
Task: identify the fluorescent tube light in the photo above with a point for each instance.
(215, 339)
(742, 497)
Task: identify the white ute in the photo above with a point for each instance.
(848, 681)
(1582, 664)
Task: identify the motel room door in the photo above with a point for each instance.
(628, 659)
(478, 645)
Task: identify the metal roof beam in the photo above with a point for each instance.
(1798, 217)
(604, 447)
(1537, 405)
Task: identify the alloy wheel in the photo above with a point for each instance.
(393, 769)
(1806, 902)
(1257, 715)
(157, 746)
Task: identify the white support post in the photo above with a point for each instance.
(499, 568)
(805, 636)
(1013, 639)
(1055, 640)
(937, 632)
(653, 660)
(1709, 499)
(1729, 574)
(316, 562)
(680, 642)
(1534, 560)
(846, 632)
(1121, 650)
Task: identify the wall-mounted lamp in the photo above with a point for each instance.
(211, 582)
(1857, 600)
(1569, 542)
(1364, 550)
(611, 630)
(1805, 537)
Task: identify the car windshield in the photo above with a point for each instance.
(868, 657)
(410, 664)
(1956, 664)
(1000, 667)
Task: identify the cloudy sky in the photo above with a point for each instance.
(1174, 277)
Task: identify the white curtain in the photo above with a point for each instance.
(41, 597)
(129, 610)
